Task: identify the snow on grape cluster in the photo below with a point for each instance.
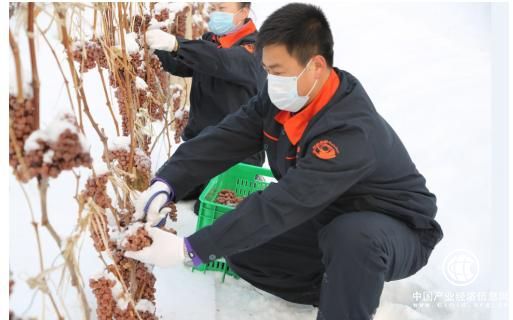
(57, 147)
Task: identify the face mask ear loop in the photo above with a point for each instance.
(299, 75)
(315, 83)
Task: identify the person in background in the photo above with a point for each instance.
(225, 71)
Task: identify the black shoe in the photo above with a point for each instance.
(196, 207)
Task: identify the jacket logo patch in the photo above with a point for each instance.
(325, 150)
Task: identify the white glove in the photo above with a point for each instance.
(166, 250)
(160, 40)
(151, 203)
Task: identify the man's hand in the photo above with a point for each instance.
(166, 250)
(160, 40)
(151, 203)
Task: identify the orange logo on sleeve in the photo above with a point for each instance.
(249, 47)
(325, 150)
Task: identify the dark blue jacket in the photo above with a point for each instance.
(335, 156)
(225, 74)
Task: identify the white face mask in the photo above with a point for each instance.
(283, 92)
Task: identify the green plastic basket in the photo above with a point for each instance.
(243, 179)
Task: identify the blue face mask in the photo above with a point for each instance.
(221, 23)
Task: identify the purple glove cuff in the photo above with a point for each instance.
(196, 261)
(171, 190)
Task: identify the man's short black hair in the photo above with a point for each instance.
(302, 28)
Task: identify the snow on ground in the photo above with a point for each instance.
(207, 297)
(427, 68)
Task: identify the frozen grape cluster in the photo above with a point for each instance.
(138, 240)
(228, 197)
(59, 146)
(22, 117)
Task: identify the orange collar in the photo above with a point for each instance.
(295, 125)
(230, 39)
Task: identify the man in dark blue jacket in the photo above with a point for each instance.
(349, 211)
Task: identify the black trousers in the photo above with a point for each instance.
(340, 267)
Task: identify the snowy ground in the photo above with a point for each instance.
(428, 69)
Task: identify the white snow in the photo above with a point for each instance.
(76, 45)
(53, 130)
(139, 213)
(173, 7)
(197, 18)
(140, 83)
(48, 156)
(13, 80)
(176, 86)
(99, 275)
(159, 6)
(120, 296)
(100, 168)
(86, 145)
(176, 95)
(154, 24)
(131, 45)
(119, 143)
(148, 129)
(179, 114)
(144, 305)
(115, 235)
